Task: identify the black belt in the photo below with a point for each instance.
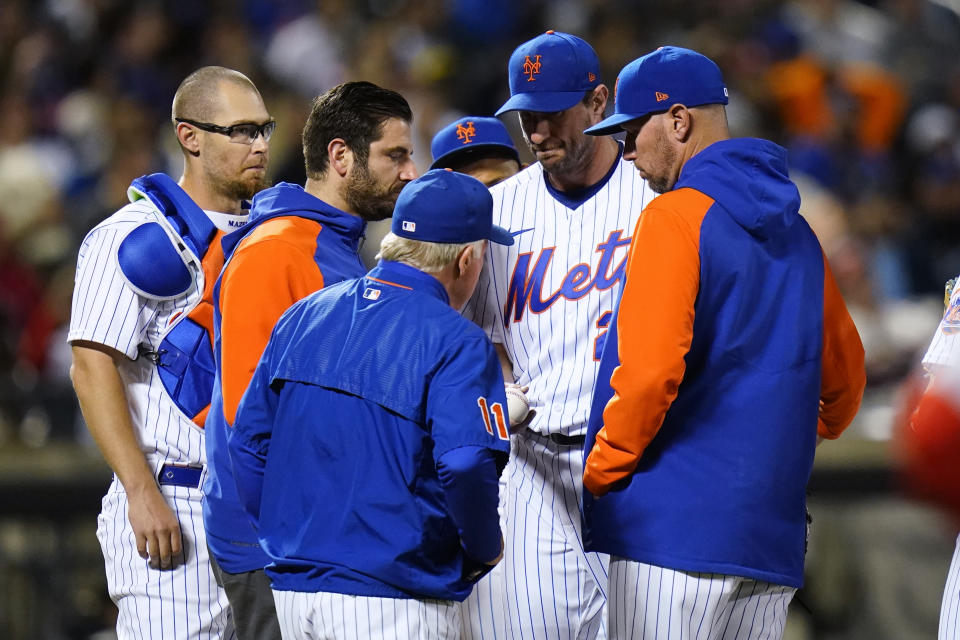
(180, 475)
(561, 439)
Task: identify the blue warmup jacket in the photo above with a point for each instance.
(231, 535)
(729, 333)
(364, 444)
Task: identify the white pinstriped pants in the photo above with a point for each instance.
(555, 590)
(483, 614)
(652, 603)
(950, 606)
(183, 603)
(336, 616)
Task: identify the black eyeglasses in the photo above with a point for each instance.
(244, 133)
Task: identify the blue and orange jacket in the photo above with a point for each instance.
(732, 350)
(293, 245)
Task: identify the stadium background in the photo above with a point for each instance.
(865, 95)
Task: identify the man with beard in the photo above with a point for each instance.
(357, 148)
(547, 301)
(142, 353)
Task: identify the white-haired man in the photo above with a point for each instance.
(374, 418)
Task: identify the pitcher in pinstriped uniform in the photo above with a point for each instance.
(546, 302)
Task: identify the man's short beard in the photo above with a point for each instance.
(244, 189)
(366, 196)
(659, 185)
(575, 156)
(668, 155)
(577, 153)
(236, 188)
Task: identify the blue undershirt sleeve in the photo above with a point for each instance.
(468, 477)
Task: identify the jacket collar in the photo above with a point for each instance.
(286, 199)
(404, 276)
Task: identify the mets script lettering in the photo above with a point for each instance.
(526, 288)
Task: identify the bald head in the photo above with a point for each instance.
(219, 171)
(714, 117)
(198, 97)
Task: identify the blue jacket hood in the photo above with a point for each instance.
(748, 178)
(285, 199)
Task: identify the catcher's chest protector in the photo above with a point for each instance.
(162, 262)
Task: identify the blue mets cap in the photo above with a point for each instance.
(468, 136)
(659, 80)
(448, 207)
(551, 73)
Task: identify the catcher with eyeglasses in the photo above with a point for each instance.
(140, 330)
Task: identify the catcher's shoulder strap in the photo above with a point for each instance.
(155, 260)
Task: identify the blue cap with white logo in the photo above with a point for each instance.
(551, 73)
(659, 80)
(447, 207)
(471, 135)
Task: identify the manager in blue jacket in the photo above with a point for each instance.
(730, 355)
(364, 445)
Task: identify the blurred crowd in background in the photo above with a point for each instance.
(865, 95)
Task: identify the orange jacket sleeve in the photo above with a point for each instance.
(843, 375)
(269, 271)
(655, 330)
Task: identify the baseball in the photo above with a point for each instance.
(517, 405)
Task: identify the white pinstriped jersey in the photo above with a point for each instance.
(944, 349)
(549, 297)
(108, 312)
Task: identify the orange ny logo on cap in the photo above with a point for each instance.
(465, 134)
(661, 96)
(591, 76)
(531, 67)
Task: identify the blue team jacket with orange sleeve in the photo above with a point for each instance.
(731, 350)
(293, 245)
